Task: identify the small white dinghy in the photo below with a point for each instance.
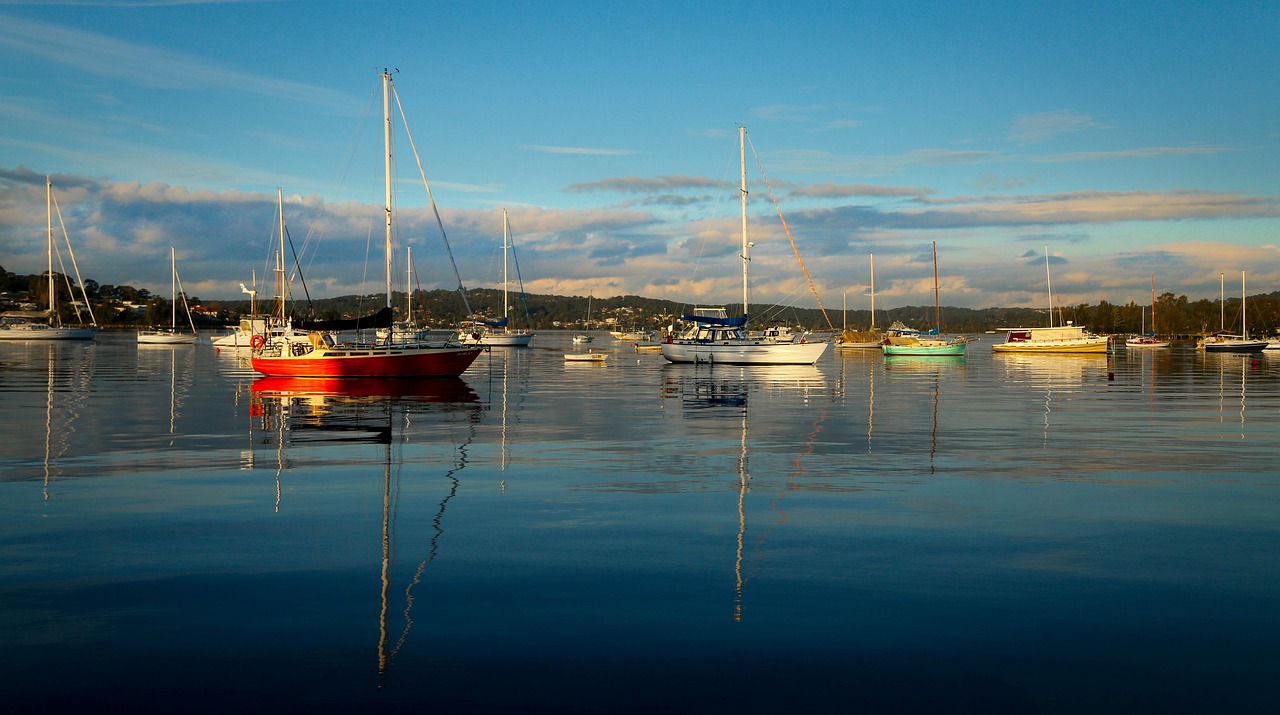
(585, 357)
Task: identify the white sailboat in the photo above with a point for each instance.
(19, 325)
(583, 338)
(1224, 342)
(499, 333)
(716, 339)
(171, 335)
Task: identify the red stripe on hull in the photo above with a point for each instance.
(435, 362)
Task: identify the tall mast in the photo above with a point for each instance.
(746, 247)
(873, 291)
(1244, 331)
(1222, 302)
(173, 290)
(1153, 304)
(937, 312)
(386, 142)
(280, 278)
(1048, 282)
(408, 287)
(48, 200)
(506, 248)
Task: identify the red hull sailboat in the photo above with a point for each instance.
(317, 354)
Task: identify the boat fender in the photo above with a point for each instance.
(257, 341)
(475, 336)
(670, 340)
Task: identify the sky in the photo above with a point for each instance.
(1128, 140)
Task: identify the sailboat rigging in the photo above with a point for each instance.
(1148, 340)
(869, 339)
(319, 355)
(171, 335)
(19, 325)
(1223, 342)
(932, 343)
(716, 338)
(498, 333)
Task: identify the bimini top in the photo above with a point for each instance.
(713, 320)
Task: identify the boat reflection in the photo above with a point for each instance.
(931, 368)
(326, 390)
(381, 412)
(722, 399)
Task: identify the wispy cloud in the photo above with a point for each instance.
(787, 112)
(641, 185)
(577, 150)
(831, 190)
(1153, 152)
(1035, 128)
(145, 66)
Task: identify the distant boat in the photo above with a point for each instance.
(498, 333)
(715, 339)
(584, 338)
(1148, 340)
(171, 335)
(257, 329)
(632, 335)
(1053, 339)
(869, 339)
(1224, 342)
(931, 344)
(585, 357)
(320, 355)
(18, 325)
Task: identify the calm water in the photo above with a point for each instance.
(996, 534)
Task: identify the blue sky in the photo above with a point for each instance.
(1130, 139)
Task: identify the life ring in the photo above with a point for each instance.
(257, 341)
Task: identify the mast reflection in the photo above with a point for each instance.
(724, 393)
(319, 411)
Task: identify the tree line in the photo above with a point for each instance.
(123, 305)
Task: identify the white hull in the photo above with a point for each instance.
(497, 340)
(1146, 343)
(750, 352)
(40, 331)
(165, 338)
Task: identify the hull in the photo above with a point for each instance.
(585, 357)
(925, 350)
(40, 331)
(1093, 346)
(743, 353)
(1146, 343)
(370, 362)
(498, 340)
(859, 345)
(165, 338)
(1236, 346)
(1062, 339)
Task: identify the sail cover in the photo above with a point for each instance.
(381, 319)
(709, 320)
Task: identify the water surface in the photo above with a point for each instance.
(991, 534)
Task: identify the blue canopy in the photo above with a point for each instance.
(708, 320)
(495, 323)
